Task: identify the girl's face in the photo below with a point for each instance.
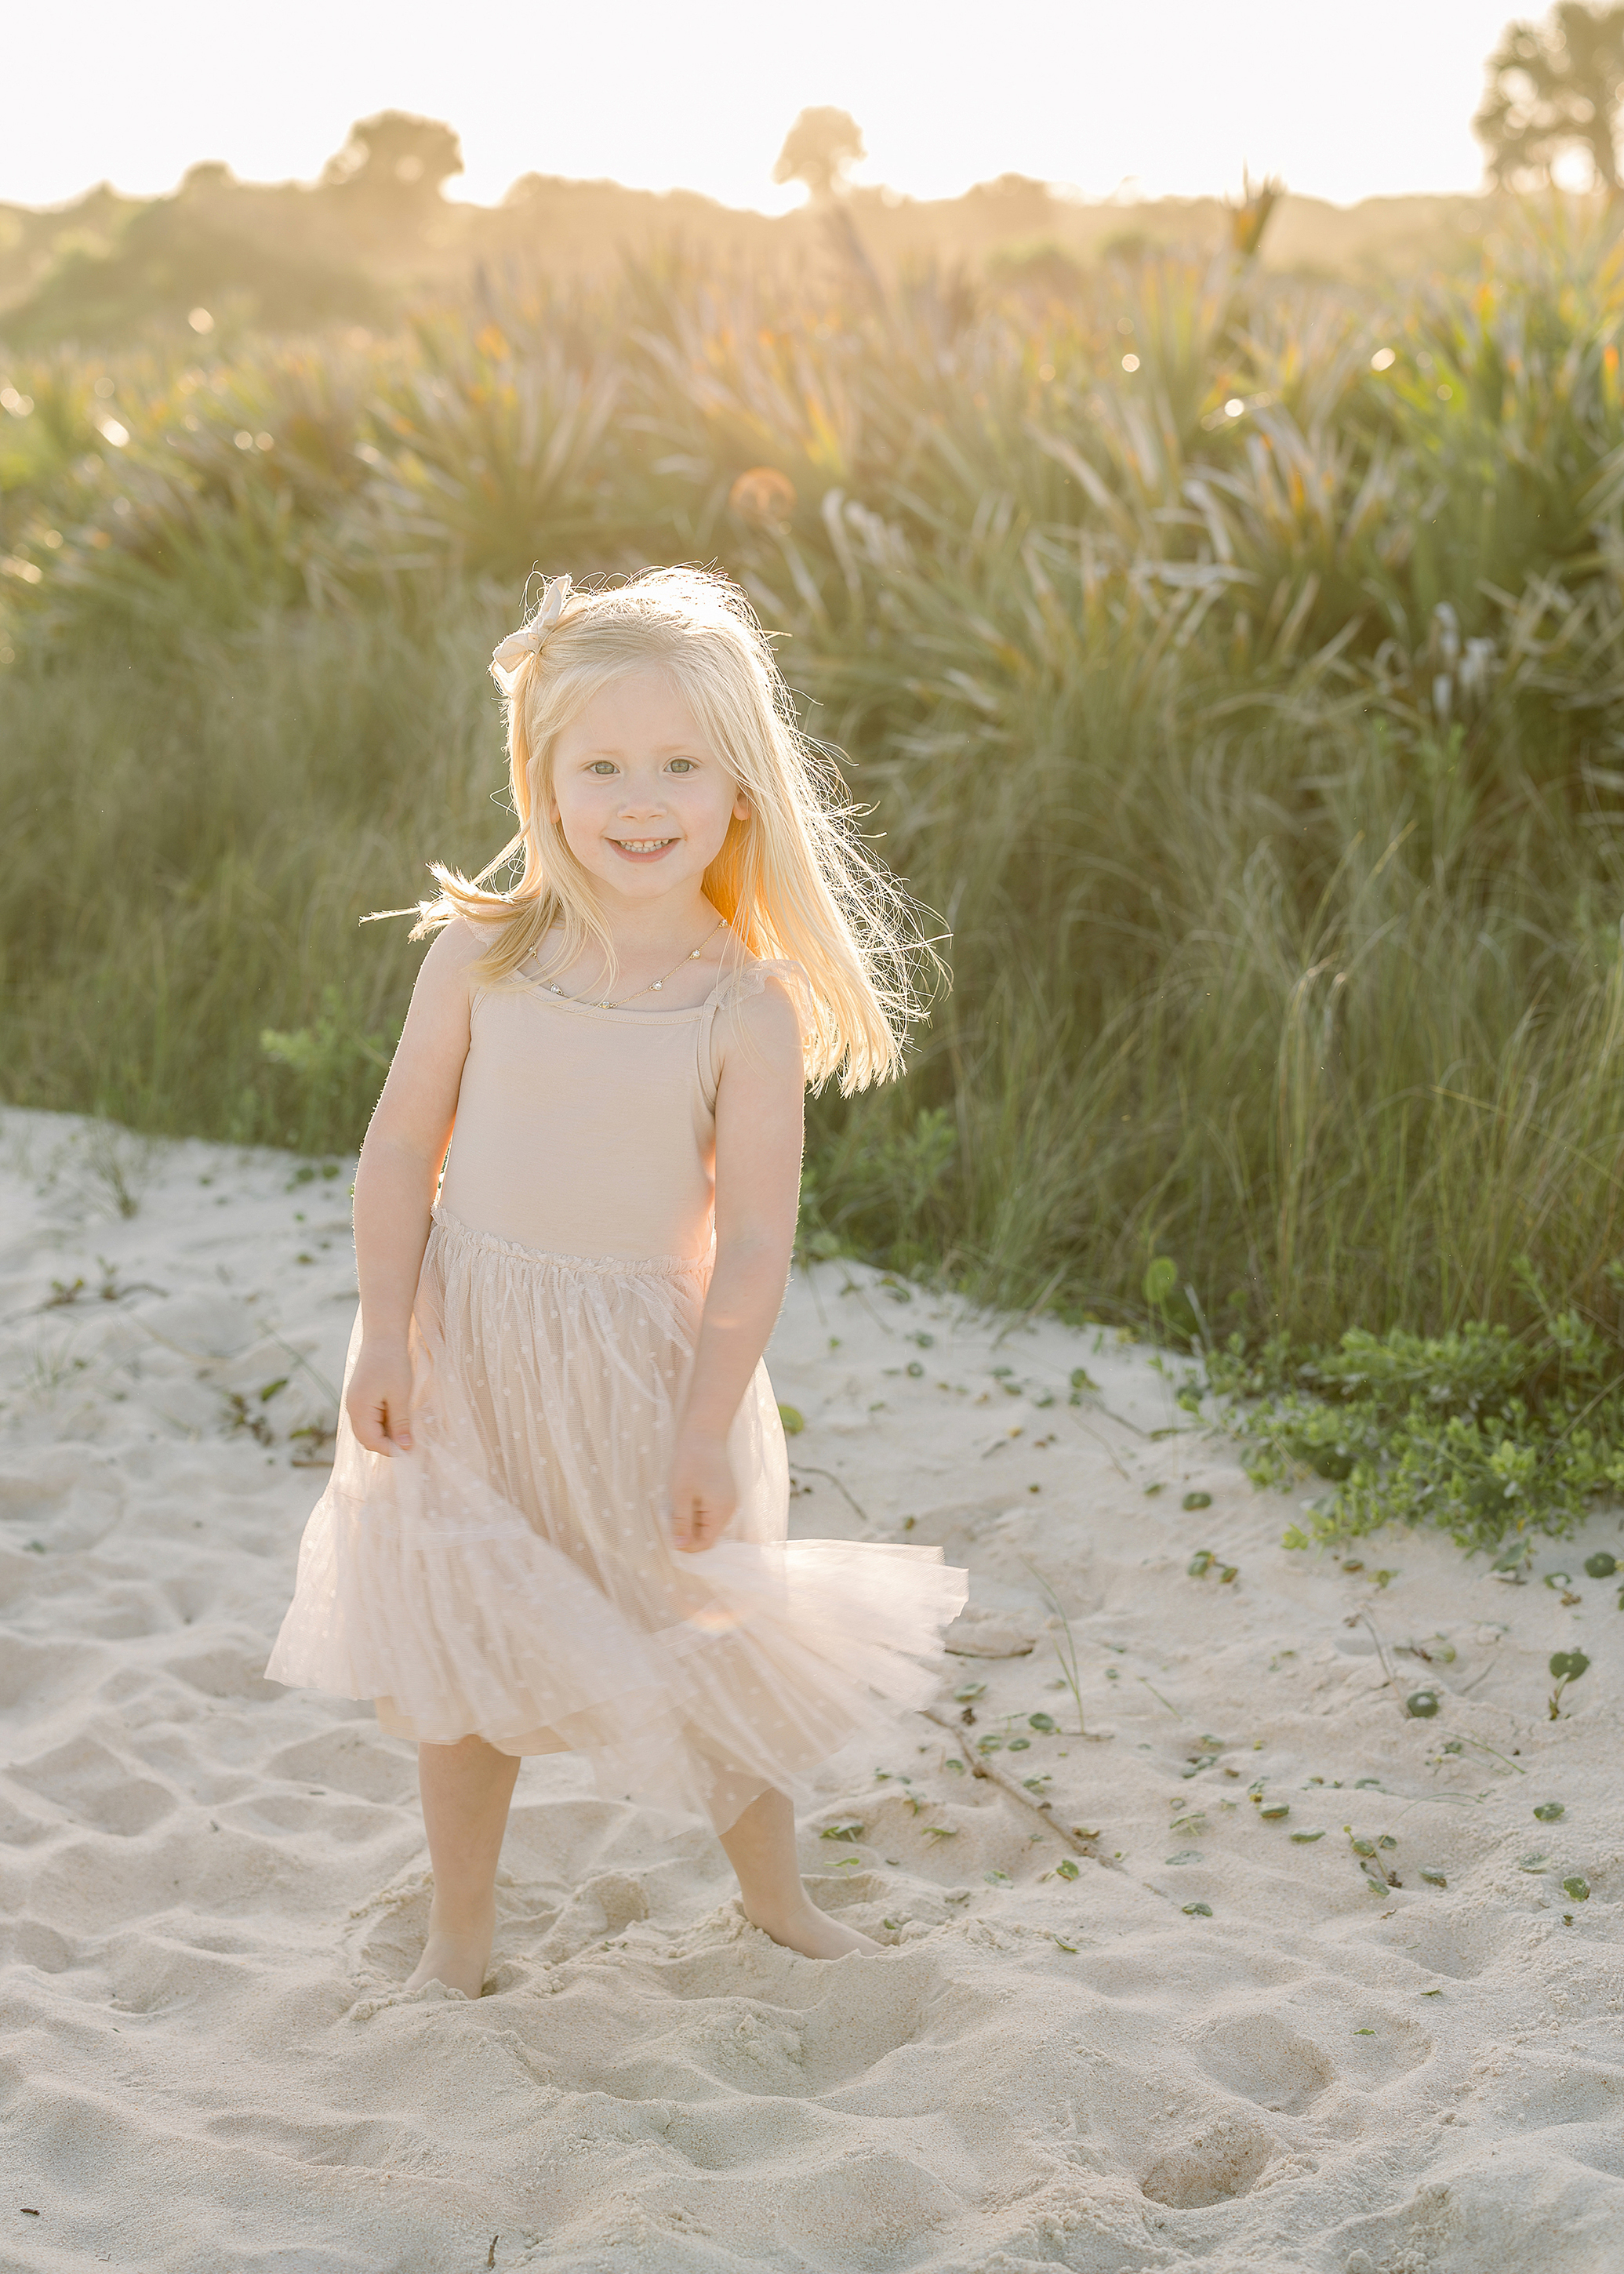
(641, 798)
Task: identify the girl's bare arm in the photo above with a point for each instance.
(758, 1140)
(401, 1160)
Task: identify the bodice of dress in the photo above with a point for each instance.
(586, 1131)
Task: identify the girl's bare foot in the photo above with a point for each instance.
(813, 1933)
(458, 1960)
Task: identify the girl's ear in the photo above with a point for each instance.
(741, 806)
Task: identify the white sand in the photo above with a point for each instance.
(212, 1886)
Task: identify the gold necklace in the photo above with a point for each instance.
(650, 987)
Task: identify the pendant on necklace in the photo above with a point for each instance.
(657, 986)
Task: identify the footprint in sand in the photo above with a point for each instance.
(1263, 2060)
(226, 1674)
(354, 1760)
(1224, 2159)
(603, 1906)
(93, 1786)
(35, 1674)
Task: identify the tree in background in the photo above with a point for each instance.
(820, 149)
(1554, 87)
(395, 160)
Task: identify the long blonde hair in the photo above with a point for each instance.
(792, 879)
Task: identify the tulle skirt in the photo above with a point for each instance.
(512, 1576)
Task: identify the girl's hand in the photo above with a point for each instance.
(379, 1401)
(703, 1496)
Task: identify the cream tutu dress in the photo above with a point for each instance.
(512, 1576)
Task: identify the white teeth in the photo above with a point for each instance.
(643, 844)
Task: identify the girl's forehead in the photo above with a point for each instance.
(642, 708)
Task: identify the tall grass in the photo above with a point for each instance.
(1249, 718)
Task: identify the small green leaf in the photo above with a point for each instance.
(1434, 1877)
(1365, 2033)
(1568, 1665)
(1197, 1500)
(1197, 1911)
(1199, 1564)
(1601, 1565)
(1066, 1869)
(1306, 1838)
(1069, 1947)
(891, 1927)
(1550, 1811)
(997, 1879)
(1554, 1580)
(1534, 1862)
(795, 1421)
(968, 1691)
(941, 1832)
(1276, 1813)
(1160, 1279)
(1184, 1855)
(1421, 1705)
(1360, 1846)
(1043, 1721)
(1578, 1888)
(848, 1828)
(1019, 1745)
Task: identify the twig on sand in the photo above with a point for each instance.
(1381, 1650)
(1156, 1694)
(1107, 1451)
(490, 2257)
(800, 1469)
(979, 1765)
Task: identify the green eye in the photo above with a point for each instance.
(681, 766)
(601, 766)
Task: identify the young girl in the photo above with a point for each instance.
(558, 1510)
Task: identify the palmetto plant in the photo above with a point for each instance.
(491, 453)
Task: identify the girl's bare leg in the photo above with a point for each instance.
(466, 1788)
(761, 1848)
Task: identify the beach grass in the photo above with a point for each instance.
(1246, 718)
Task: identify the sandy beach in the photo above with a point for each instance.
(1144, 2004)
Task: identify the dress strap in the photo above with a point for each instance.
(741, 985)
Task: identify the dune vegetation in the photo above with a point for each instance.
(1232, 664)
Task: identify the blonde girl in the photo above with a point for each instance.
(557, 1516)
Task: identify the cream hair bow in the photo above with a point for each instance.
(509, 654)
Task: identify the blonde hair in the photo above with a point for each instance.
(792, 880)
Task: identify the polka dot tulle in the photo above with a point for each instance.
(512, 1576)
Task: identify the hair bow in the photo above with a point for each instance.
(509, 654)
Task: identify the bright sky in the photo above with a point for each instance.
(1346, 99)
